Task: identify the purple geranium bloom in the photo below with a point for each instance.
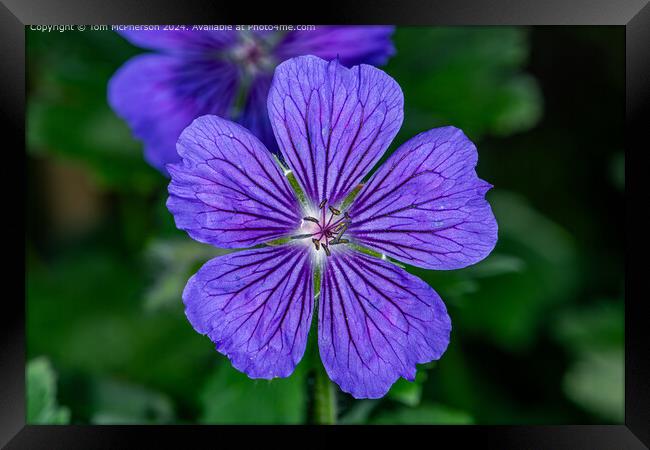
(425, 206)
(227, 73)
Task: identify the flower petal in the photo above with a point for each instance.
(227, 191)
(332, 123)
(172, 40)
(256, 306)
(376, 322)
(160, 95)
(426, 206)
(350, 44)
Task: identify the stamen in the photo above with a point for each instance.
(330, 230)
(341, 231)
(327, 249)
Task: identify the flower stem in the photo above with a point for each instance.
(324, 398)
(321, 394)
(321, 406)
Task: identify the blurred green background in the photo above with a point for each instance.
(537, 326)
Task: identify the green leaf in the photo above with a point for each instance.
(409, 392)
(595, 336)
(68, 114)
(119, 402)
(42, 407)
(426, 414)
(597, 383)
(497, 264)
(359, 412)
(86, 313)
(174, 261)
(230, 397)
(598, 326)
(469, 77)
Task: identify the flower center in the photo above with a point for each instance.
(327, 229)
(252, 54)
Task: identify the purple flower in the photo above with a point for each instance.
(424, 206)
(227, 73)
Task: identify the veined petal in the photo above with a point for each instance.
(426, 206)
(198, 41)
(332, 123)
(376, 322)
(256, 306)
(227, 191)
(159, 95)
(369, 44)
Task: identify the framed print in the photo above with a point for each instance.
(400, 217)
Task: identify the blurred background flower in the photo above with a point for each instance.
(227, 73)
(538, 326)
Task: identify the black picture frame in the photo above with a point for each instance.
(634, 15)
